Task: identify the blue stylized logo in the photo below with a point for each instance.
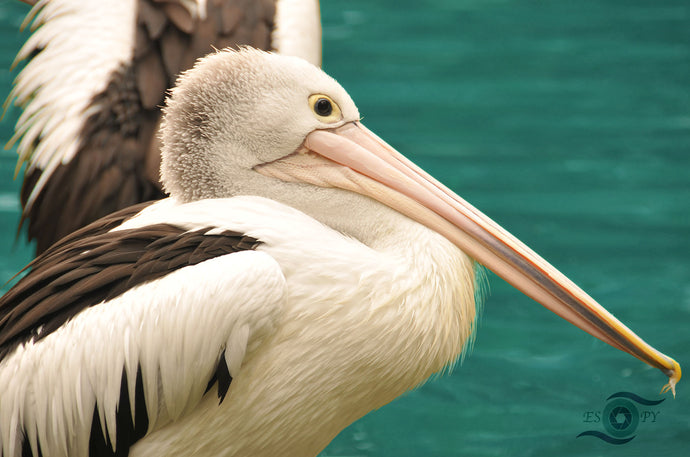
(621, 417)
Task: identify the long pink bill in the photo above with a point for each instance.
(353, 158)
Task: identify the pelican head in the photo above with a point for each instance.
(254, 123)
(238, 110)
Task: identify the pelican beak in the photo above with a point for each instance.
(353, 158)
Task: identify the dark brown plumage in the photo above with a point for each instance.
(117, 161)
(95, 264)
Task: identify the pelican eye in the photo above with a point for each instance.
(325, 109)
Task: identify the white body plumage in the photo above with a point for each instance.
(317, 357)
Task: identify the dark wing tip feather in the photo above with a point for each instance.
(222, 377)
(131, 422)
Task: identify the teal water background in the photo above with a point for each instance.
(568, 122)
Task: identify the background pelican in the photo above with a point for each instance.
(94, 82)
(589, 142)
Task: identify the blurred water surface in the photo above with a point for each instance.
(569, 124)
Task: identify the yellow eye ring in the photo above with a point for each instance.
(324, 108)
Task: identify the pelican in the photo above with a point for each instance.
(300, 274)
(96, 77)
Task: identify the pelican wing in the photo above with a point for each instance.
(116, 333)
(91, 93)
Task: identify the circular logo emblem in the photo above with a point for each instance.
(620, 418)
